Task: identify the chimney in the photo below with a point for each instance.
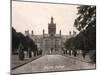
(60, 33)
(32, 33)
(27, 33)
(70, 33)
(43, 32)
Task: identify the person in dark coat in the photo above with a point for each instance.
(83, 54)
(21, 52)
(30, 53)
(75, 53)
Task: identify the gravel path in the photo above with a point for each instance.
(53, 63)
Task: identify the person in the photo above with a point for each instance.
(63, 51)
(35, 52)
(21, 52)
(40, 51)
(75, 53)
(69, 52)
(83, 54)
(51, 50)
(30, 54)
(66, 51)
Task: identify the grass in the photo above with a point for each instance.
(15, 62)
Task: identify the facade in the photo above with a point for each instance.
(50, 43)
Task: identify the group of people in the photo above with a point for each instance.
(30, 52)
(74, 52)
(70, 52)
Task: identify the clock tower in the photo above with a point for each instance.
(52, 28)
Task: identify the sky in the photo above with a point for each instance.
(36, 16)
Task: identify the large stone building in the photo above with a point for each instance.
(50, 43)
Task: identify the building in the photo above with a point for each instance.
(50, 43)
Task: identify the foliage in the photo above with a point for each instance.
(18, 37)
(86, 17)
(85, 23)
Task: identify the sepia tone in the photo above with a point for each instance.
(54, 51)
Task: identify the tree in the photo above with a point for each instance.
(15, 41)
(31, 46)
(27, 43)
(86, 24)
(86, 17)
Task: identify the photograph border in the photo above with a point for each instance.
(44, 2)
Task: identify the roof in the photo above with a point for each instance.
(39, 38)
